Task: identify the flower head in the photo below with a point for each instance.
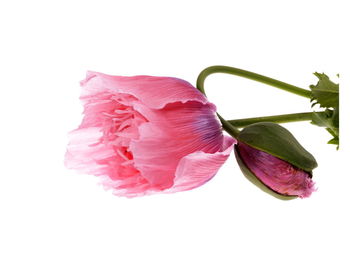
(143, 135)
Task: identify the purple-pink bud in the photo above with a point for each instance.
(279, 175)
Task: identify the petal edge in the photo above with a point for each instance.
(199, 167)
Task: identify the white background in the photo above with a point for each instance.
(53, 219)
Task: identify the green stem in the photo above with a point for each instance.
(229, 128)
(250, 75)
(284, 118)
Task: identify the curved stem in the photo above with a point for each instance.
(284, 118)
(250, 75)
(230, 129)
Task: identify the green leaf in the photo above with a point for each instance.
(326, 92)
(334, 141)
(330, 120)
(322, 119)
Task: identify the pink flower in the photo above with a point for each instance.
(144, 135)
(278, 175)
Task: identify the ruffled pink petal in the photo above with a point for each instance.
(100, 146)
(171, 134)
(83, 152)
(199, 167)
(154, 92)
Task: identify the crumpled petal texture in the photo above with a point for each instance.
(277, 174)
(143, 135)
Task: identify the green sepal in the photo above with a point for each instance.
(256, 181)
(279, 142)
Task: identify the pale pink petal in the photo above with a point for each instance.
(197, 168)
(172, 133)
(154, 92)
(83, 151)
(100, 146)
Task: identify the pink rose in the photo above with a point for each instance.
(144, 135)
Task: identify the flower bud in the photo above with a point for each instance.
(271, 158)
